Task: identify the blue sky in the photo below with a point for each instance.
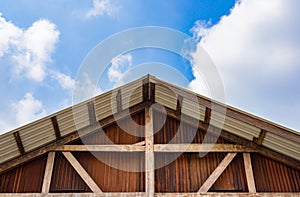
(254, 44)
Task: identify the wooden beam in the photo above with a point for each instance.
(101, 148)
(233, 138)
(260, 138)
(249, 173)
(234, 113)
(179, 104)
(91, 111)
(82, 173)
(119, 101)
(207, 115)
(217, 173)
(55, 127)
(142, 143)
(19, 142)
(71, 137)
(149, 155)
(48, 172)
(202, 148)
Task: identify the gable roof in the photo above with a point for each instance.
(60, 127)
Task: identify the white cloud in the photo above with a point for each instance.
(30, 49)
(119, 66)
(65, 81)
(28, 109)
(257, 51)
(102, 7)
(85, 89)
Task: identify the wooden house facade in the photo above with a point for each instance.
(147, 140)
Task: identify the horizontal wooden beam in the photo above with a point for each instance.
(143, 194)
(202, 148)
(158, 148)
(101, 148)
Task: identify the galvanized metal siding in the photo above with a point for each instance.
(25, 178)
(273, 176)
(282, 145)
(8, 148)
(106, 105)
(234, 126)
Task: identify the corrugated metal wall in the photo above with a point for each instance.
(274, 176)
(25, 178)
(189, 171)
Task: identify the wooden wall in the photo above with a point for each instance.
(185, 174)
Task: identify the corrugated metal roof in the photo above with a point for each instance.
(41, 132)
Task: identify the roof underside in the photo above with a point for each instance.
(44, 131)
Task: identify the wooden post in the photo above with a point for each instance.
(48, 172)
(249, 173)
(149, 157)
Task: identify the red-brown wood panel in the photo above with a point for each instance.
(173, 131)
(189, 171)
(273, 176)
(25, 178)
(128, 132)
(115, 172)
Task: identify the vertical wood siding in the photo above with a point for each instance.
(25, 178)
(270, 175)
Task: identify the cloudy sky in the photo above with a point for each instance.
(255, 45)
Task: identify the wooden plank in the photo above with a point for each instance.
(19, 142)
(108, 194)
(249, 173)
(202, 148)
(207, 115)
(119, 101)
(233, 113)
(101, 148)
(179, 104)
(82, 173)
(149, 155)
(72, 137)
(48, 172)
(55, 127)
(142, 143)
(91, 111)
(233, 138)
(217, 173)
(260, 138)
